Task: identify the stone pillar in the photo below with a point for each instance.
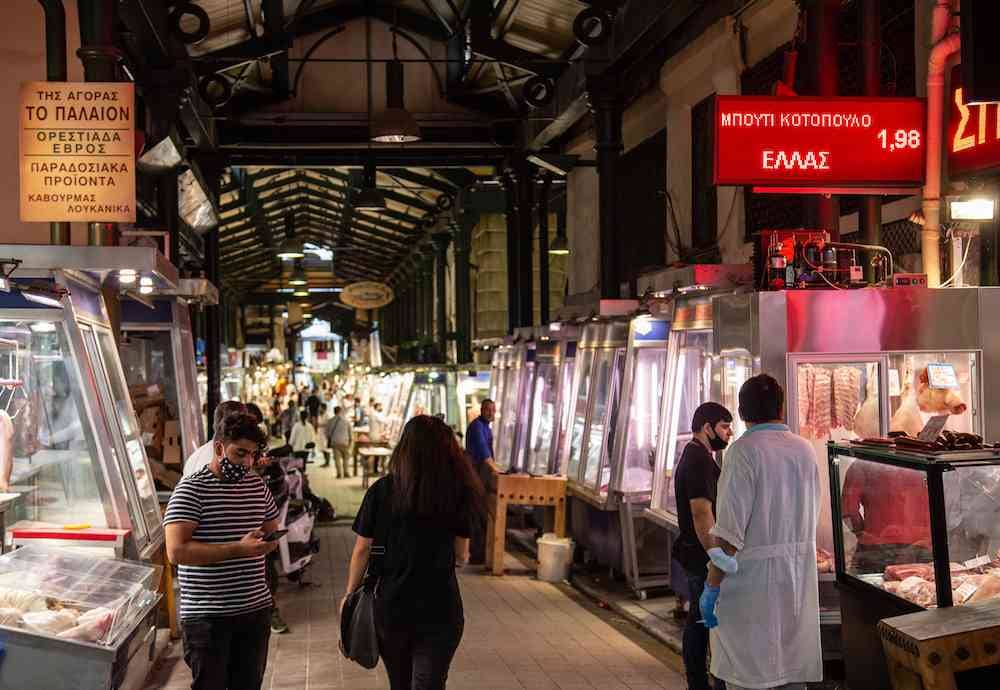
(441, 242)
(463, 288)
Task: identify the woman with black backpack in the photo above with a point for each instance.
(421, 513)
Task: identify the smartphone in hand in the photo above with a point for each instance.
(276, 535)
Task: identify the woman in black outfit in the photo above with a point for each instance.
(425, 507)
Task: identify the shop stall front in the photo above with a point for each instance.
(434, 392)
(77, 449)
(857, 364)
(914, 529)
(157, 350)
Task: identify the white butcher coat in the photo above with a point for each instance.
(768, 611)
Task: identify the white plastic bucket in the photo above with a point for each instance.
(554, 558)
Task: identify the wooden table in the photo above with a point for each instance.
(927, 649)
(520, 490)
(370, 456)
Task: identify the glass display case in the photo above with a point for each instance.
(76, 451)
(543, 411)
(514, 407)
(434, 392)
(157, 350)
(396, 411)
(912, 530)
(601, 369)
(566, 400)
(72, 620)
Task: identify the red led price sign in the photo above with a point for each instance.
(973, 137)
(771, 141)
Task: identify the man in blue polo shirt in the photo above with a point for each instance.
(479, 437)
(479, 446)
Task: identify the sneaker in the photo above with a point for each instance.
(278, 624)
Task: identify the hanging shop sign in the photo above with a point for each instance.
(77, 152)
(805, 142)
(367, 295)
(973, 137)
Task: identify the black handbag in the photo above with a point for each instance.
(358, 638)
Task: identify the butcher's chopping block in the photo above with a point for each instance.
(944, 649)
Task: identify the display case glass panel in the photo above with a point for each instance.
(585, 361)
(147, 358)
(543, 416)
(427, 398)
(734, 368)
(566, 399)
(689, 385)
(607, 377)
(55, 463)
(143, 503)
(507, 414)
(473, 389)
(886, 523)
(925, 384)
(643, 429)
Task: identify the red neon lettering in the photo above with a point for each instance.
(796, 160)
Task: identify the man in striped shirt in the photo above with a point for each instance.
(216, 522)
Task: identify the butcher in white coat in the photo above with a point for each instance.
(765, 616)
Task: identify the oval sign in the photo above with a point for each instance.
(367, 295)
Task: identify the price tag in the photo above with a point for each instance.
(965, 591)
(977, 562)
(933, 427)
(942, 376)
(895, 389)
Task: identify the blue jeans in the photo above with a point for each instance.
(695, 651)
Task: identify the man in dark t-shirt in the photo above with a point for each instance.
(696, 480)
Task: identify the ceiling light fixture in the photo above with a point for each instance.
(369, 197)
(298, 275)
(301, 292)
(146, 290)
(127, 276)
(291, 248)
(395, 125)
(43, 327)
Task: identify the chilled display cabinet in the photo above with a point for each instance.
(157, 350)
(433, 392)
(396, 410)
(76, 622)
(912, 530)
(512, 409)
(78, 455)
(859, 364)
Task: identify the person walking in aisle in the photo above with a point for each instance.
(696, 479)
(288, 418)
(764, 618)
(479, 446)
(303, 436)
(339, 440)
(215, 525)
(423, 508)
(202, 457)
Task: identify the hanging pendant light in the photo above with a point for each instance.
(369, 197)
(298, 275)
(395, 125)
(291, 248)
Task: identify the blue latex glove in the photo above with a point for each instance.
(709, 596)
(723, 561)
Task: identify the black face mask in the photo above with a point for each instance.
(231, 472)
(716, 442)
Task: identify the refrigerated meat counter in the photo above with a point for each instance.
(78, 455)
(912, 530)
(854, 364)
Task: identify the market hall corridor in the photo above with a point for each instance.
(520, 634)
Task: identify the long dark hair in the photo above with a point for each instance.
(433, 478)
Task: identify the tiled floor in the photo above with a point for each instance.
(520, 634)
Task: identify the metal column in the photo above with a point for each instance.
(513, 303)
(463, 285)
(213, 333)
(427, 278)
(441, 242)
(167, 200)
(100, 58)
(56, 70)
(525, 242)
(606, 107)
(543, 250)
(823, 42)
(871, 45)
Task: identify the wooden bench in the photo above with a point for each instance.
(520, 490)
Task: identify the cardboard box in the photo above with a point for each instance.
(172, 442)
